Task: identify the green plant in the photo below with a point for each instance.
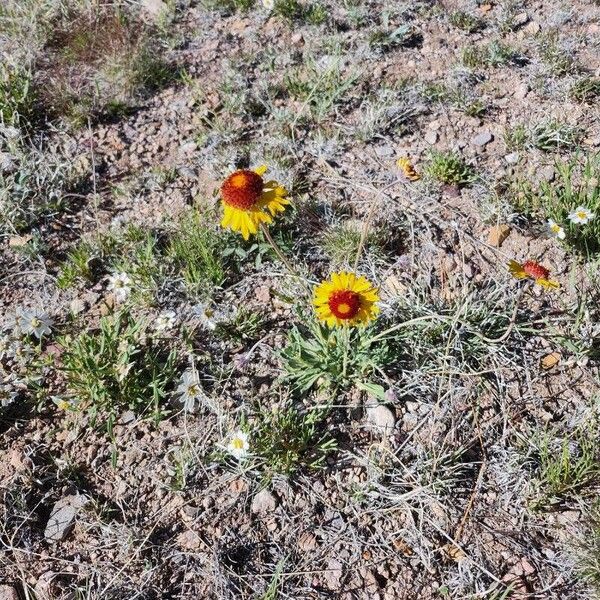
(576, 185)
(385, 40)
(334, 358)
(197, 251)
(78, 265)
(16, 95)
(244, 325)
(585, 550)
(286, 439)
(555, 57)
(516, 137)
(341, 241)
(116, 368)
(493, 54)
(552, 134)
(586, 89)
(316, 14)
(566, 466)
(465, 21)
(290, 10)
(449, 168)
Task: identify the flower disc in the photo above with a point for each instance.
(242, 189)
(344, 304)
(535, 270)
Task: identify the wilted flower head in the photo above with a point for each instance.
(120, 285)
(581, 215)
(189, 390)
(33, 322)
(248, 200)
(207, 316)
(238, 445)
(532, 270)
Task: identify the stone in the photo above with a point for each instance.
(62, 518)
(8, 592)
(512, 158)
(333, 574)
(154, 7)
(483, 138)
(380, 418)
(431, 137)
(532, 28)
(498, 234)
(520, 19)
(521, 91)
(264, 502)
(77, 306)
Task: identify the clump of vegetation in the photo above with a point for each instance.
(118, 367)
(576, 187)
(286, 439)
(449, 168)
(466, 21)
(17, 98)
(586, 89)
(558, 60)
(385, 40)
(493, 54)
(547, 136)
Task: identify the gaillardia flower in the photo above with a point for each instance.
(248, 200)
(346, 299)
(532, 270)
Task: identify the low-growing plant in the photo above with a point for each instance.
(585, 550)
(558, 60)
(17, 97)
(286, 439)
(493, 54)
(586, 89)
(449, 168)
(465, 21)
(566, 466)
(576, 186)
(118, 367)
(552, 134)
(385, 40)
(197, 250)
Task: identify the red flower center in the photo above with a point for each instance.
(535, 270)
(242, 189)
(344, 304)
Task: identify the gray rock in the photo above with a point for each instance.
(483, 138)
(333, 574)
(264, 502)
(431, 137)
(8, 592)
(512, 158)
(380, 418)
(62, 518)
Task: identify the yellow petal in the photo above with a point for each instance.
(261, 170)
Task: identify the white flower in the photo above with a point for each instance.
(165, 320)
(120, 285)
(581, 215)
(34, 322)
(208, 317)
(5, 345)
(268, 4)
(556, 229)
(190, 390)
(238, 445)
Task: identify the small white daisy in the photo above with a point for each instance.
(581, 215)
(34, 322)
(556, 229)
(207, 315)
(238, 445)
(120, 285)
(190, 390)
(165, 321)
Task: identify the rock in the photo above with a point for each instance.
(380, 418)
(62, 518)
(189, 540)
(483, 138)
(497, 234)
(431, 137)
(77, 306)
(550, 360)
(8, 592)
(154, 7)
(512, 158)
(546, 173)
(264, 502)
(333, 574)
(521, 91)
(307, 541)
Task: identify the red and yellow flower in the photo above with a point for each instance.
(248, 200)
(346, 299)
(532, 270)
